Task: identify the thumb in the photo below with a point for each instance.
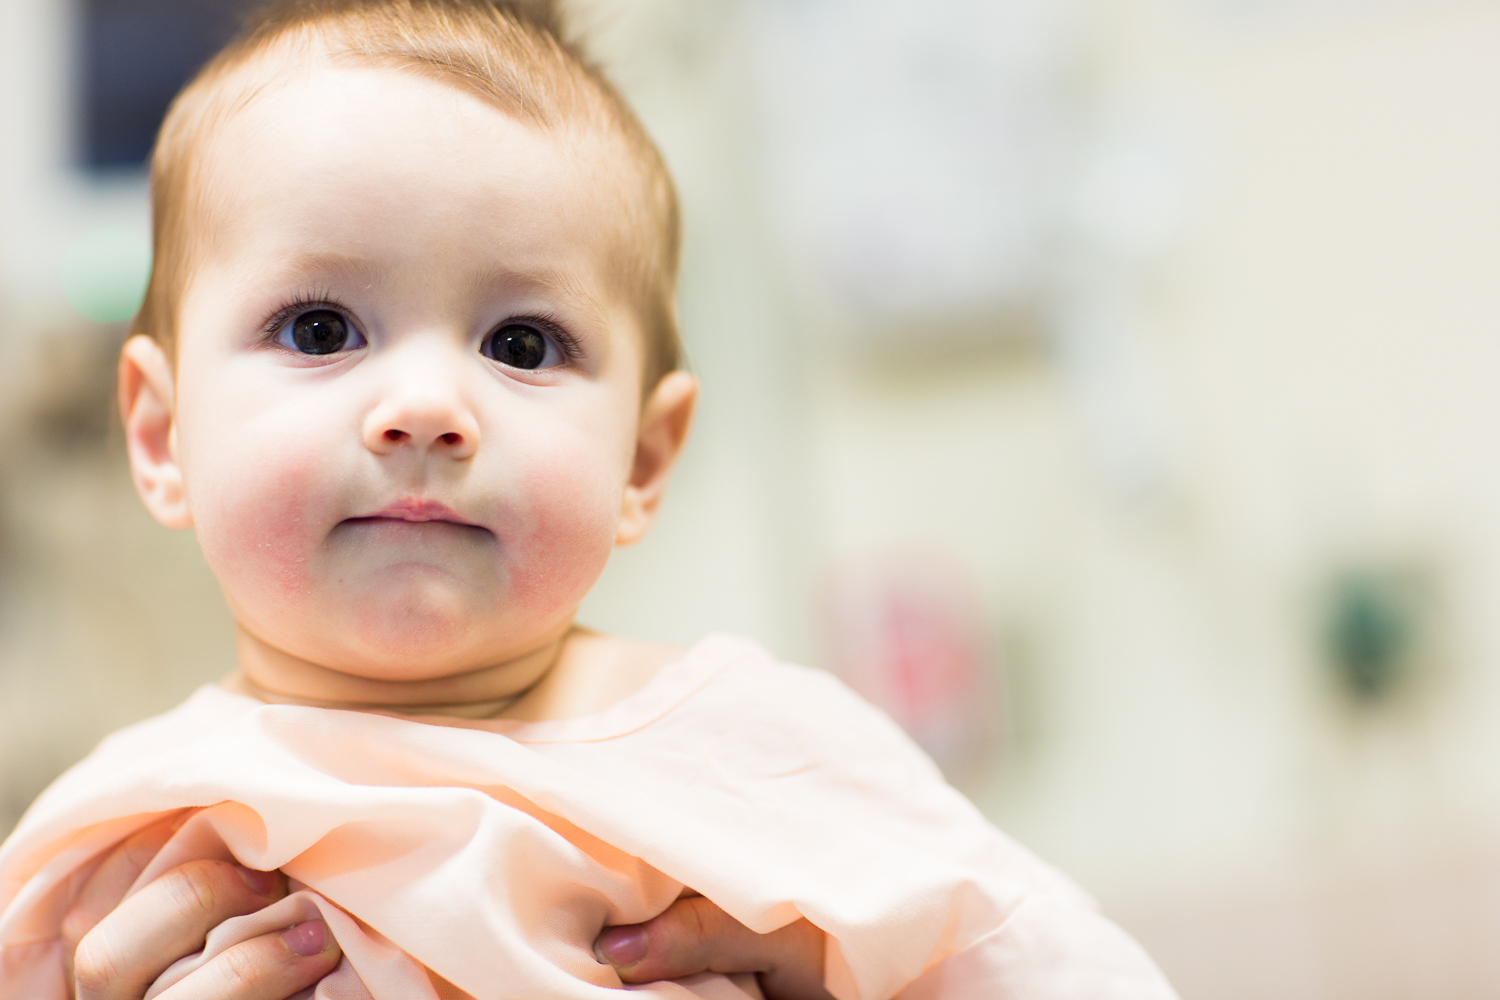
(693, 935)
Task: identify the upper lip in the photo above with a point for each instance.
(420, 509)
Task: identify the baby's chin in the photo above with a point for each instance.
(410, 603)
(421, 627)
(417, 632)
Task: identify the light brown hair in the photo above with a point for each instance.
(512, 54)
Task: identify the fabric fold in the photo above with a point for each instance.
(489, 856)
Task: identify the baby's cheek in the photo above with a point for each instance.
(255, 516)
(560, 547)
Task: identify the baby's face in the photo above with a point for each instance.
(408, 386)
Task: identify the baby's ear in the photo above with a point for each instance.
(664, 427)
(147, 409)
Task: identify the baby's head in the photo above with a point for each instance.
(510, 56)
(408, 361)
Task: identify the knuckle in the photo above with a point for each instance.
(698, 918)
(238, 968)
(95, 967)
(692, 938)
(195, 888)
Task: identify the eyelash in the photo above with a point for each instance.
(299, 305)
(564, 340)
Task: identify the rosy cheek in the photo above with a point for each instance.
(254, 510)
(560, 547)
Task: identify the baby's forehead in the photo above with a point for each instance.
(270, 100)
(400, 136)
(407, 202)
(293, 95)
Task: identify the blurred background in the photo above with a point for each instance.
(1105, 387)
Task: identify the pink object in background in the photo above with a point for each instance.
(907, 631)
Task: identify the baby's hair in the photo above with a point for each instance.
(512, 54)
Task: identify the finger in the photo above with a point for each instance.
(113, 879)
(690, 936)
(164, 921)
(693, 935)
(270, 967)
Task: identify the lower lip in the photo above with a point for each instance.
(370, 549)
(400, 525)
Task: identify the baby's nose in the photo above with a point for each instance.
(424, 421)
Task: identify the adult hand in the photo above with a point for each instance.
(116, 947)
(693, 935)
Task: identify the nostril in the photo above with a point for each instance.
(394, 435)
(451, 438)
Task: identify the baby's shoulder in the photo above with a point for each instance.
(726, 700)
(746, 697)
(756, 682)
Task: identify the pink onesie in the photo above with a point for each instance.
(455, 858)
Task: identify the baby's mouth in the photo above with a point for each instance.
(412, 542)
(415, 521)
(415, 510)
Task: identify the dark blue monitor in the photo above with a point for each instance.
(136, 55)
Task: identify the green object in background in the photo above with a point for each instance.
(104, 273)
(1372, 632)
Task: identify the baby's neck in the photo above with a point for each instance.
(272, 675)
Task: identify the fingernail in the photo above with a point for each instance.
(621, 946)
(263, 883)
(306, 939)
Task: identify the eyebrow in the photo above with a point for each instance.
(332, 262)
(558, 282)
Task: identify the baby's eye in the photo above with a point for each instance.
(320, 331)
(522, 345)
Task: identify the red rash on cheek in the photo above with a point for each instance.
(256, 527)
(558, 553)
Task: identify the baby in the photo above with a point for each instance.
(408, 365)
